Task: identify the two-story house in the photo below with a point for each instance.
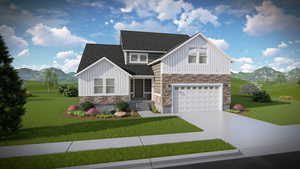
(179, 73)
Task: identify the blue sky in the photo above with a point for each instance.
(254, 33)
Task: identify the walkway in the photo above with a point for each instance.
(73, 146)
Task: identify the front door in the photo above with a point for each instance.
(138, 88)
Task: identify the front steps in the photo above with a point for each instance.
(140, 105)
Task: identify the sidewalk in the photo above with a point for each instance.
(73, 146)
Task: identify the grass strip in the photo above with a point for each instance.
(113, 155)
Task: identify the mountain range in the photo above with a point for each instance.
(267, 74)
(37, 75)
(261, 74)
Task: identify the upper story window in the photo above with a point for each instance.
(197, 55)
(138, 57)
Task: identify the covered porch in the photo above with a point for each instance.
(141, 88)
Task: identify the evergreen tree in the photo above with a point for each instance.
(12, 94)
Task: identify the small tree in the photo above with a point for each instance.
(12, 94)
(50, 79)
(280, 78)
(298, 82)
(248, 89)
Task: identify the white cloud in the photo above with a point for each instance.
(24, 52)
(106, 23)
(269, 18)
(50, 36)
(66, 54)
(247, 68)
(220, 43)
(148, 25)
(169, 10)
(282, 45)
(283, 64)
(14, 43)
(34, 67)
(270, 52)
(243, 60)
(204, 16)
(70, 65)
(282, 60)
(96, 4)
(111, 21)
(220, 9)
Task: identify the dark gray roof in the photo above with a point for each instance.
(134, 40)
(94, 52)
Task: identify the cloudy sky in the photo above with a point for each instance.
(254, 33)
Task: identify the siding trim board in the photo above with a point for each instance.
(98, 61)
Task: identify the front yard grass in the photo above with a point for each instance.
(44, 121)
(276, 112)
(112, 155)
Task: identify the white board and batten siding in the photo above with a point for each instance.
(103, 69)
(177, 62)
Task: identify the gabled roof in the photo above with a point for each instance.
(134, 40)
(94, 52)
(185, 42)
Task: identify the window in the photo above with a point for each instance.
(138, 57)
(110, 87)
(197, 55)
(98, 86)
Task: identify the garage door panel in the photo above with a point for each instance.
(200, 98)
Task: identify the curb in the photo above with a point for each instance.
(161, 162)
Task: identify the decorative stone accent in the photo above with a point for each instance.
(168, 79)
(103, 99)
(157, 78)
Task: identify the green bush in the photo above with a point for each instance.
(86, 106)
(154, 109)
(61, 88)
(261, 96)
(70, 91)
(122, 106)
(78, 113)
(104, 116)
(298, 81)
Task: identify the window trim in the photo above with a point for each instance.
(104, 86)
(138, 58)
(198, 55)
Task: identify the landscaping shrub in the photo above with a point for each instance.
(154, 109)
(62, 88)
(78, 113)
(122, 106)
(248, 89)
(298, 81)
(71, 91)
(286, 97)
(239, 107)
(86, 106)
(104, 116)
(233, 111)
(261, 96)
(91, 111)
(73, 108)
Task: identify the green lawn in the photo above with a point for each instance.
(112, 155)
(277, 112)
(44, 121)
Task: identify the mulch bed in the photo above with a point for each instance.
(135, 116)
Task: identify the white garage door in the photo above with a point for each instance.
(197, 98)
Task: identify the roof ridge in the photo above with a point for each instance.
(154, 32)
(102, 44)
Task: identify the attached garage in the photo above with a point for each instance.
(196, 97)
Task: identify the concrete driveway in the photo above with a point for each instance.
(253, 137)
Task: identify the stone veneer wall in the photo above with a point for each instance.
(103, 99)
(168, 79)
(157, 78)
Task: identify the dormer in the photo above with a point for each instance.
(145, 47)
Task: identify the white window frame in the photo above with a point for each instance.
(104, 85)
(138, 58)
(198, 55)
